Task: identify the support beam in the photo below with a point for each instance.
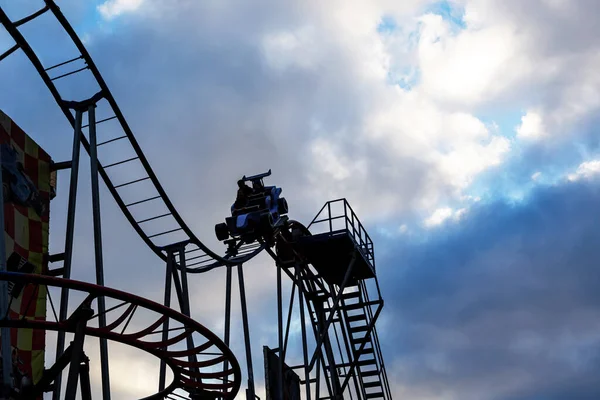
(280, 332)
(251, 392)
(186, 303)
(98, 249)
(227, 327)
(58, 166)
(82, 314)
(304, 344)
(64, 294)
(84, 378)
(336, 302)
(165, 334)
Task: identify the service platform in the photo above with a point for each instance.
(338, 235)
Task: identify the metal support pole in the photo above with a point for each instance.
(280, 332)
(64, 295)
(165, 334)
(5, 331)
(304, 345)
(227, 327)
(289, 320)
(84, 378)
(332, 310)
(333, 375)
(77, 351)
(98, 249)
(184, 301)
(251, 392)
(318, 382)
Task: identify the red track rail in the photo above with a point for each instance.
(197, 370)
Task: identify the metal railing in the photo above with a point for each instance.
(336, 216)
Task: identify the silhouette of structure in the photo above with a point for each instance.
(330, 263)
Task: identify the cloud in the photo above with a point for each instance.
(531, 126)
(501, 305)
(401, 122)
(113, 8)
(586, 170)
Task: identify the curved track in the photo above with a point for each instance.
(210, 368)
(179, 232)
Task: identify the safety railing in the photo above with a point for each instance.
(335, 217)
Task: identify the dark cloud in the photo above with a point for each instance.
(503, 304)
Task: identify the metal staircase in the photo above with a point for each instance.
(359, 322)
(343, 312)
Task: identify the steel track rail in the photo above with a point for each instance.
(213, 259)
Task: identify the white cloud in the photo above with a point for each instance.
(286, 49)
(586, 170)
(536, 176)
(440, 215)
(471, 66)
(113, 8)
(531, 127)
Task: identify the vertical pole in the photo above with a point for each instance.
(303, 323)
(186, 300)
(5, 331)
(333, 375)
(250, 390)
(98, 249)
(84, 378)
(280, 332)
(85, 312)
(64, 294)
(165, 334)
(227, 312)
(318, 382)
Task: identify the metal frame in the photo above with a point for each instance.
(201, 378)
(193, 244)
(327, 307)
(334, 311)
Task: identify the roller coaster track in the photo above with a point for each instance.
(179, 234)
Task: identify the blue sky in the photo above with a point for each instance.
(463, 133)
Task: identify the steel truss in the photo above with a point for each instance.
(342, 316)
(208, 370)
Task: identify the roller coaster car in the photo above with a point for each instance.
(257, 213)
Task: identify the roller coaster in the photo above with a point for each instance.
(330, 263)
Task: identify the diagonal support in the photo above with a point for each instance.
(336, 302)
(9, 52)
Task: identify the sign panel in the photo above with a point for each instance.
(290, 382)
(27, 187)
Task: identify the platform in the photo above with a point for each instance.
(331, 252)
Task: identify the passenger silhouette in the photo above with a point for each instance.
(242, 195)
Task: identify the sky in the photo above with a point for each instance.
(462, 132)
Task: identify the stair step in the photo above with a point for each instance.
(350, 295)
(364, 363)
(360, 340)
(373, 384)
(365, 374)
(376, 395)
(362, 328)
(355, 306)
(354, 318)
(366, 350)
